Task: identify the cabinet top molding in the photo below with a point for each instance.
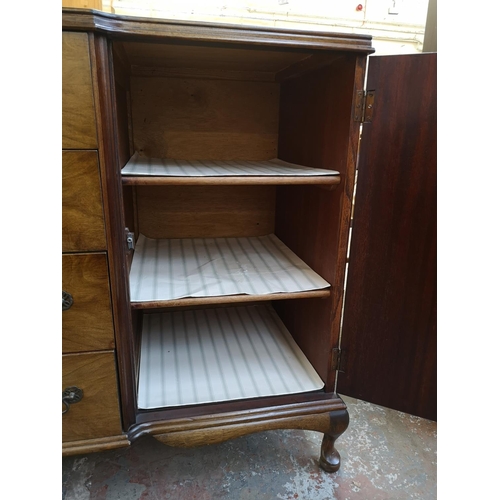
(191, 31)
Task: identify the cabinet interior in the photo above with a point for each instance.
(230, 102)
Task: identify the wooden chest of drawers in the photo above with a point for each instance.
(91, 413)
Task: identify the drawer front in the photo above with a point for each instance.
(87, 325)
(82, 213)
(78, 115)
(97, 415)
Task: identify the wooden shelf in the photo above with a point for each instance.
(211, 355)
(229, 181)
(230, 299)
(157, 171)
(189, 272)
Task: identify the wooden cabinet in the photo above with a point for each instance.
(227, 158)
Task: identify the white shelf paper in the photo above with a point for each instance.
(142, 166)
(167, 269)
(209, 355)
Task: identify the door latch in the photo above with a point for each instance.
(129, 236)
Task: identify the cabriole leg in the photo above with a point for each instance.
(330, 457)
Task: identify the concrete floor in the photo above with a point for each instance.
(386, 455)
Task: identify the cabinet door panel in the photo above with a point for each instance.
(88, 324)
(97, 415)
(389, 327)
(78, 115)
(82, 213)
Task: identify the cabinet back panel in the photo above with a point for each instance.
(205, 211)
(194, 119)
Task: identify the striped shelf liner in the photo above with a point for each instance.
(209, 355)
(163, 167)
(167, 269)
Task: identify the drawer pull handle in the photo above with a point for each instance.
(67, 300)
(71, 395)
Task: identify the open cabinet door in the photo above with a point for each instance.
(389, 327)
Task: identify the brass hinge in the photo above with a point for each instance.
(338, 360)
(363, 106)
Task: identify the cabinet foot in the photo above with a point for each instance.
(329, 459)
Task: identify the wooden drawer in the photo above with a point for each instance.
(82, 214)
(78, 115)
(88, 324)
(97, 415)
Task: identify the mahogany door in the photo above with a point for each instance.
(389, 327)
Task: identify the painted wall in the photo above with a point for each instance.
(397, 26)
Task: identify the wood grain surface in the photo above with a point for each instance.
(210, 58)
(97, 415)
(205, 211)
(78, 115)
(142, 180)
(316, 129)
(82, 213)
(195, 119)
(88, 324)
(108, 132)
(94, 445)
(195, 430)
(231, 299)
(389, 330)
(195, 32)
(212, 435)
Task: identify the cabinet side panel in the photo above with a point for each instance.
(124, 129)
(105, 99)
(196, 119)
(316, 129)
(122, 114)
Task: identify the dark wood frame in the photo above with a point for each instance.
(336, 70)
